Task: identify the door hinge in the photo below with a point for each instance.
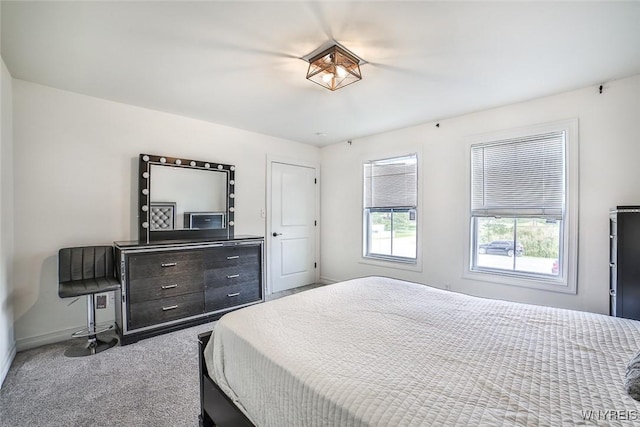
(315, 265)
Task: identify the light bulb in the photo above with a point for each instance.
(327, 77)
(341, 72)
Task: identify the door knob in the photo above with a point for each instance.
(276, 234)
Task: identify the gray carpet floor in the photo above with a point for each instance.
(153, 382)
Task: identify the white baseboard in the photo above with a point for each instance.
(23, 344)
(327, 281)
(6, 364)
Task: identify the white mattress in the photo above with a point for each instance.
(383, 352)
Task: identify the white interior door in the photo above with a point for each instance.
(293, 210)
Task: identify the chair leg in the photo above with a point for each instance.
(91, 319)
(93, 345)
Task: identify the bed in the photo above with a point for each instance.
(377, 351)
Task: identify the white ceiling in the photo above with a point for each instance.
(238, 63)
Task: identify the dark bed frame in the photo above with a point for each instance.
(216, 409)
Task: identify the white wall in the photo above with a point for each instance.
(7, 342)
(76, 160)
(75, 163)
(609, 127)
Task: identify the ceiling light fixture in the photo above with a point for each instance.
(334, 68)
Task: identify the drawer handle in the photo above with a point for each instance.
(233, 257)
(170, 286)
(168, 264)
(233, 295)
(233, 276)
(171, 307)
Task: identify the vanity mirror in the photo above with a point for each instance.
(180, 199)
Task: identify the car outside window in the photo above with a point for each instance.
(533, 246)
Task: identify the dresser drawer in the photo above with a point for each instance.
(232, 294)
(231, 275)
(163, 310)
(141, 290)
(162, 264)
(232, 256)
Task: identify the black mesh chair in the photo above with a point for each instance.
(87, 271)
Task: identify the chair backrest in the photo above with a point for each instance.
(88, 262)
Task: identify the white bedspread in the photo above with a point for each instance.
(383, 352)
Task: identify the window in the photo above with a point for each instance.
(390, 202)
(519, 208)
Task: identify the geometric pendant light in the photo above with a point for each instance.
(334, 68)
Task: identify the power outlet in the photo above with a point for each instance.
(102, 301)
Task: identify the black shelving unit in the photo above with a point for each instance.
(624, 262)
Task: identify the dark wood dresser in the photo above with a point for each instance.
(172, 285)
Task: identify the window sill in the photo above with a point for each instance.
(397, 264)
(553, 285)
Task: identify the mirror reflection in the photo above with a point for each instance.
(185, 198)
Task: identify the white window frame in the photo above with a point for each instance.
(391, 260)
(566, 282)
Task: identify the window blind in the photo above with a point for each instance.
(391, 183)
(519, 177)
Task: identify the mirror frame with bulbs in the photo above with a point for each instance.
(146, 235)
